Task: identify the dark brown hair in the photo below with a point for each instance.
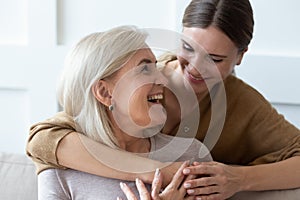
(233, 17)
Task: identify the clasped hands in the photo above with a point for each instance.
(201, 181)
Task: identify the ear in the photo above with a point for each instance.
(241, 55)
(101, 91)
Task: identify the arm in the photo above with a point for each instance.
(101, 160)
(281, 175)
(54, 143)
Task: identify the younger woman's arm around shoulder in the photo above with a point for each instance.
(54, 143)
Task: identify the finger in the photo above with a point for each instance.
(178, 177)
(127, 191)
(202, 168)
(206, 163)
(143, 192)
(189, 198)
(182, 188)
(156, 184)
(200, 182)
(209, 197)
(204, 190)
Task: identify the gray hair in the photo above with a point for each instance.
(95, 57)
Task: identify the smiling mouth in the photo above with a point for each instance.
(155, 98)
(196, 78)
(193, 78)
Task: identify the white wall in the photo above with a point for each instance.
(35, 36)
(272, 64)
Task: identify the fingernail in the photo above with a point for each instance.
(190, 191)
(198, 198)
(187, 185)
(196, 163)
(122, 184)
(138, 181)
(186, 171)
(157, 172)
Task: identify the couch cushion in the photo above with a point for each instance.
(292, 194)
(18, 180)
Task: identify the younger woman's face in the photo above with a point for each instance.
(207, 56)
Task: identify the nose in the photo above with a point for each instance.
(201, 64)
(160, 79)
(200, 68)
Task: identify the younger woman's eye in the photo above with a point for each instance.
(217, 60)
(187, 47)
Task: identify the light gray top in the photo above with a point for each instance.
(72, 184)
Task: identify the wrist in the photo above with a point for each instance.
(146, 177)
(244, 179)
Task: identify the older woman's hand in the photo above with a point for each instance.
(216, 180)
(174, 191)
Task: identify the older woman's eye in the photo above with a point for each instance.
(145, 69)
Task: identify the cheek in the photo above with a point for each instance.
(225, 69)
(139, 108)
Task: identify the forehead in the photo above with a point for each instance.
(213, 40)
(141, 56)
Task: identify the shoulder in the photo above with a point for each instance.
(169, 148)
(50, 184)
(237, 91)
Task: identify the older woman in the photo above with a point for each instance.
(89, 91)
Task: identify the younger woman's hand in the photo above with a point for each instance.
(174, 191)
(216, 180)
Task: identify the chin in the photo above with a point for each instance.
(151, 131)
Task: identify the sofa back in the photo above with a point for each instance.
(18, 180)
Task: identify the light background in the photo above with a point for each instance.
(35, 36)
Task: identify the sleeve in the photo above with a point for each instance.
(254, 132)
(50, 186)
(268, 137)
(275, 138)
(44, 138)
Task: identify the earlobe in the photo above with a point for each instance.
(239, 61)
(101, 92)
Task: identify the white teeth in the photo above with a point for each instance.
(155, 97)
(196, 78)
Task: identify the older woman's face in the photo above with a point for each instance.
(201, 45)
(138, 94)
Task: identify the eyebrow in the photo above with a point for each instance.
(221, 56)
(146, 60)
